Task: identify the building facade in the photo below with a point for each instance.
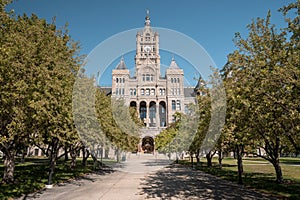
(156, 97)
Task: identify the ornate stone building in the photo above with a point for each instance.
(155, 96)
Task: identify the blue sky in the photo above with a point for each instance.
(211, 23)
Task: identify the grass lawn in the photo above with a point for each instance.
(260, 175)
(32, 175)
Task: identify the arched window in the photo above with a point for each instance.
(152, 92)
(171, 80)
(178, 106)
(142, 92)
(173, 105)
(147, 92)
(117, 80)
(134, 92)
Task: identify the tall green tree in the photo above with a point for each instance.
(262, 86)
(37, 71)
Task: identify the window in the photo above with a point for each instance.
(177, 80)
(36, 152)
(151, 77)
(147, 92)
(134, 92)
(174, 80)
(173, 118)
(142, 92)
(178, 106)
(131, 92)
(152, 92)
(123, 91)
(117, 91)
(178, 91)
(173, 105)
(163, 91)
(171, 80)
(117, 80)
(144, 77)
(147, 77)
(143, 112)
(147, 37)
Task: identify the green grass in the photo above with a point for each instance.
(260, 175)
(32, 175)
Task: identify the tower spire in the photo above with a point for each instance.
(147, 18)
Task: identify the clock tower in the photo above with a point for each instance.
(147, 58)
(155, 97)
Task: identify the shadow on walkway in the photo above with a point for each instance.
(179, 182)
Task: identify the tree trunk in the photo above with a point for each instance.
(118, 154)
(279, 177)
(239, 154)
(85, 155)
(220, 158)
(197, 158)
(209, 158)
(9, 166)
(73, 155)
(106, 152)
(96, 165)
(53, 158)
(192, 161)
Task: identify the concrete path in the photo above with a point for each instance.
(147, 177)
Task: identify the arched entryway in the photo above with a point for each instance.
(148, 144)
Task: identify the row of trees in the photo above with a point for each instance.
(39, 66)
(261, 79)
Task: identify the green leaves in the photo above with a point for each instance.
(261, 80)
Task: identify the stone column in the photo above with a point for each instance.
(138, 109)
(147, 114)
(157, 119)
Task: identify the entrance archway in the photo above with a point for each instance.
(148, 144)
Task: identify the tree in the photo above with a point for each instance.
(118, 125)
(37, 73)
(261, 81)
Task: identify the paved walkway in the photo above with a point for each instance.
(147, 177)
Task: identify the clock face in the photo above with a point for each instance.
(147, 49)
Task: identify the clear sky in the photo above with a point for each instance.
(211, 23)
